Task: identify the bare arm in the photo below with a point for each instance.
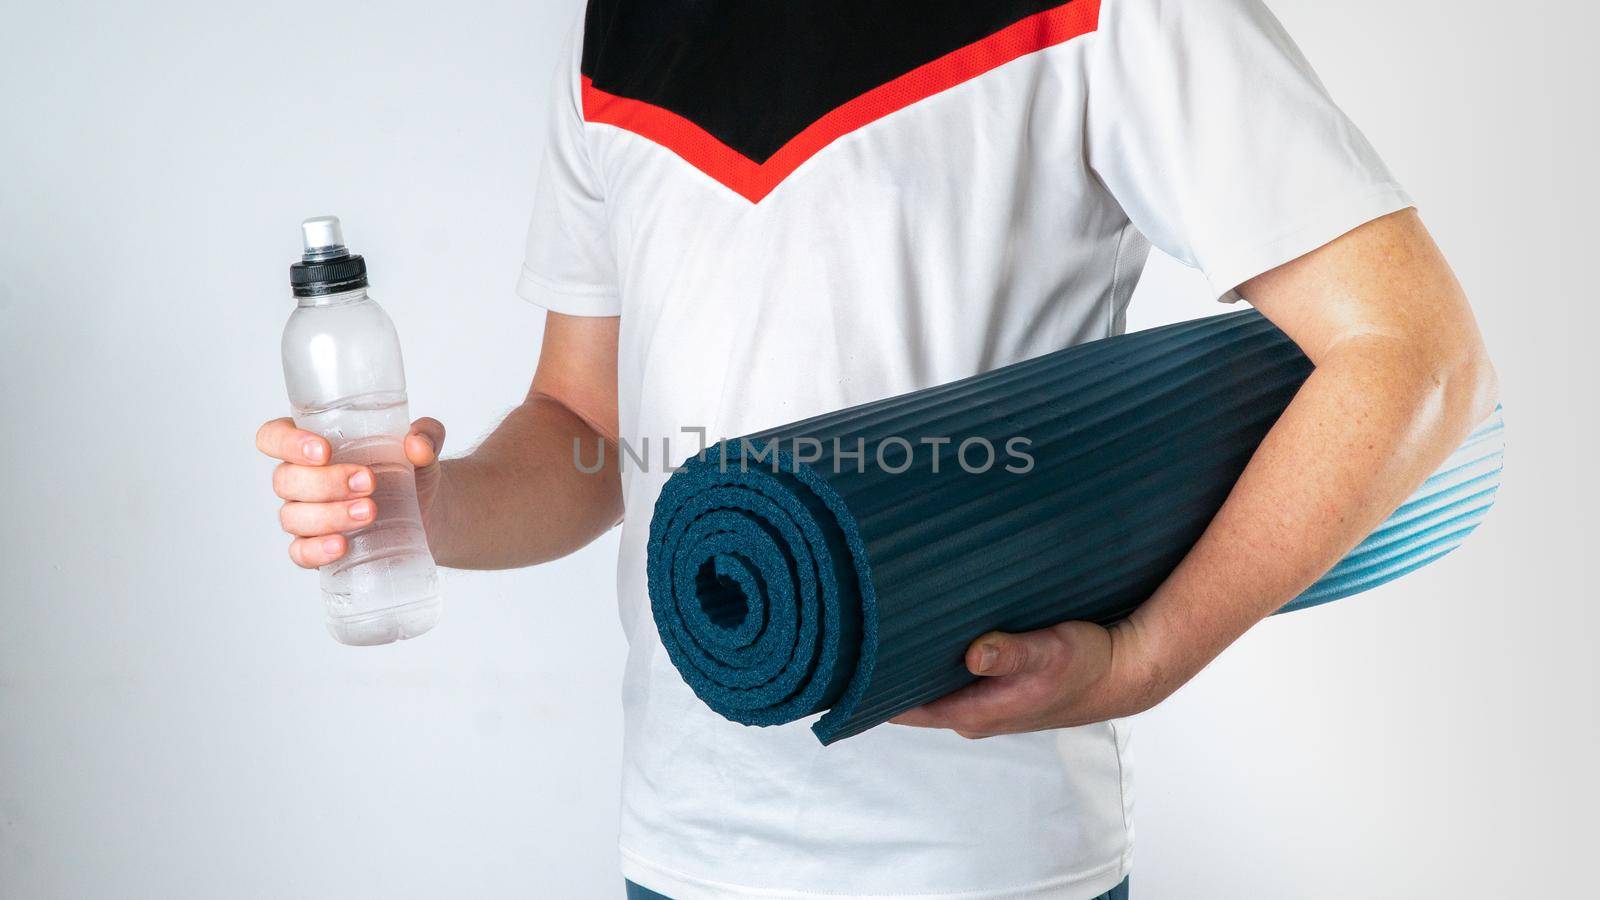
(1401, 377)
(520, 498)
(516, 500)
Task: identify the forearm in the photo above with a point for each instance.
(1401, 377)
(1375, 418)
(520, 497)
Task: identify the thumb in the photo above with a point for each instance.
(424, 442)
(998, 654)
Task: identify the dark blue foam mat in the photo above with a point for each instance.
(844, 563)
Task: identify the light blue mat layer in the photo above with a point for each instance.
(799, 570)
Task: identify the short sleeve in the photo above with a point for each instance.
(569, 266)
(1210, 129)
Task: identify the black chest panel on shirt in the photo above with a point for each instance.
(755, 73)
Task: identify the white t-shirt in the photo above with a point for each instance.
(801, 206)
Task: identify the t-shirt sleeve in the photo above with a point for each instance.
(569, 266)
(1212, 132)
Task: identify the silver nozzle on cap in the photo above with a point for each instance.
(324, 238)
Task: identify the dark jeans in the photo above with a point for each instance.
(1120, 892)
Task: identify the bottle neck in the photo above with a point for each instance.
(337, 299)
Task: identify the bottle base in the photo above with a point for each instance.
(388, 625)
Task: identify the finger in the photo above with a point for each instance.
(1017, 676)
(319, 484)
(920, 717)
(997, 654)
(316, 552)
(424, 442)
(318, 519)
(279, 439)
(984, 708)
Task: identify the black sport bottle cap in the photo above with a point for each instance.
(327, 267)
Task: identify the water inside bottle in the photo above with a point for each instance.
(388, 562)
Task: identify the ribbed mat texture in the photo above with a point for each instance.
(844, 563)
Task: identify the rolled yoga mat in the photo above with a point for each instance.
(844, 563)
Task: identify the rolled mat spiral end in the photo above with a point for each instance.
(842, 564)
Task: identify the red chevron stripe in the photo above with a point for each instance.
(753, 180)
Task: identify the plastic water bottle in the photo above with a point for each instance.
(341, 363)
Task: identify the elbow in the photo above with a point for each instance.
(1486, 385)
(1440, 383)
(1467, 387)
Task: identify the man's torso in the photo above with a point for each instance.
(785, 247)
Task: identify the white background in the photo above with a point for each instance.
(174, 722)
